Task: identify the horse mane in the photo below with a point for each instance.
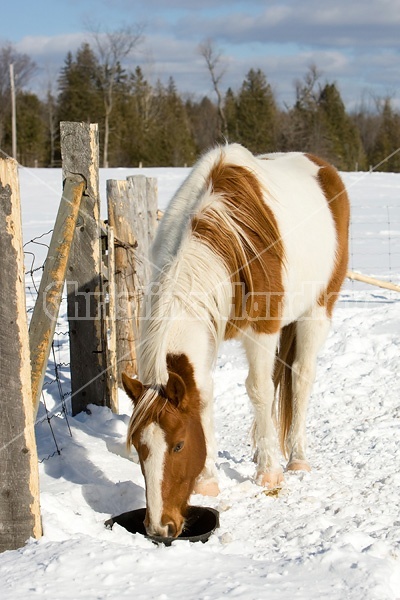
(175, 223)
(241, 228)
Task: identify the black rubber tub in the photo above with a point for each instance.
(200, 524)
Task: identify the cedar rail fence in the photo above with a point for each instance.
(104, 267)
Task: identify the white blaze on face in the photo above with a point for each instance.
(154, 438)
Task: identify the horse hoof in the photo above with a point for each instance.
(207, 488)
(298, 465)
(270, 480)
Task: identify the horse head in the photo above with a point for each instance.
(169, 439)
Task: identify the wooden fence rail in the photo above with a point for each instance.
(373, 281)
(45, 313)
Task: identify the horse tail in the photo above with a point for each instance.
(285, 356)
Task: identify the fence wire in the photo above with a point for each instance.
(375, 246)
(58, 369)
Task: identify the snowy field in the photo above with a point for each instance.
(331, 534)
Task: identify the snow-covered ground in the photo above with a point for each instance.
(333, 533)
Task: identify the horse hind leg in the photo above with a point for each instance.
(260, 350)
(311, 332)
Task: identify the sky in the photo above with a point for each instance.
(355, 43)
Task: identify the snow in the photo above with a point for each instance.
(332, 533)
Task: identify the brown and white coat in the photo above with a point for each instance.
(249, 247)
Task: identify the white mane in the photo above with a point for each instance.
(189, 200)
(183, 294)
(184, 205)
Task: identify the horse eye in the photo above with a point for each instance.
(179, 447)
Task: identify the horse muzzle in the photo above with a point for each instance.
(169, 529)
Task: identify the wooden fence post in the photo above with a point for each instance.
(19, 479)
(47, 305)
(132, 212)
(80, 161)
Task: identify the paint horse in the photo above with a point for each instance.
(250, 247)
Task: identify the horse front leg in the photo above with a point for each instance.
(207, 482)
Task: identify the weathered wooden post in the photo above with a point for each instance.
(80, 161)
(132, 212)
(19, 480)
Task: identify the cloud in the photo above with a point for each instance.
(353, 42)
(307, 24)
(45, 47)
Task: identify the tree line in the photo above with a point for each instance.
(147, 124)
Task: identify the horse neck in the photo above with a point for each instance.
(187, 315)
(191, 337)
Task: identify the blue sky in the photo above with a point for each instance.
(355, 43)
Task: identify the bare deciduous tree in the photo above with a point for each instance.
(112, 48)
(24, 69)
(213, 59)
(307, 92)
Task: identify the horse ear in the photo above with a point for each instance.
(175, 389)
(133, 387)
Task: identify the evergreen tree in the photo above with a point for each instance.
(117, 124)
(51, 126)
(366, 120)
(343, 142)
(231, 115)
(176, 145)
(121, 124)
(145, 117)
(203, 122)
(79, 97)
(31, 133)
(139, 120)
(156, 126)
(256, 113)
(383, 156)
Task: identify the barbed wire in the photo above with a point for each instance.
(56, 364)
